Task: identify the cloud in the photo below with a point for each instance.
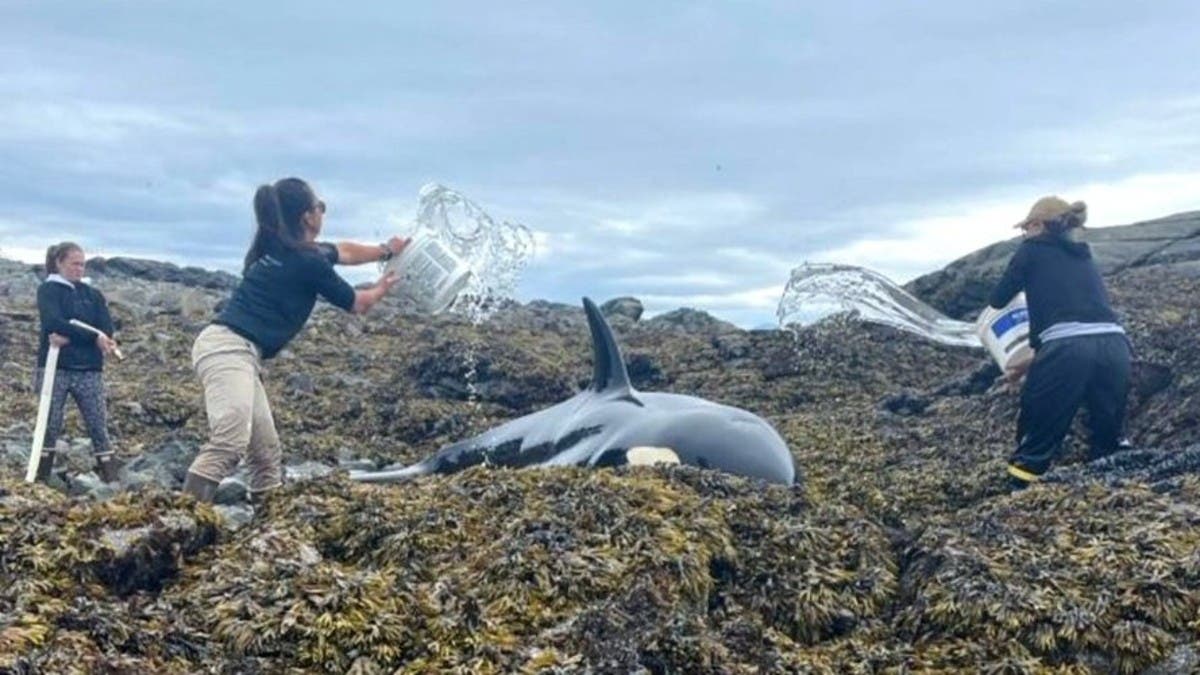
(685, 153)
(760, 298)
(923, 243)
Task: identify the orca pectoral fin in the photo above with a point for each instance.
(395, 476)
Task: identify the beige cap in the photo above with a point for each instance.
(1051, 207)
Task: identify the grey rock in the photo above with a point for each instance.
(689, 320)
(628, 307)
(168, 300)
(962, 287)
(235, 516)
(300, 383)
(121, 542)
(153, 270)
(232, 491)
(167, 464)
(196, 304)
(89, 485)
(136, 481)
(14, 454)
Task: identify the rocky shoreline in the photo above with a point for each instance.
(901, 551)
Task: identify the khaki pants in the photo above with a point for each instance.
(239, 417)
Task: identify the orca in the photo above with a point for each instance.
(611, 424)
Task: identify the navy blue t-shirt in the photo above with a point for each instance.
(278, 292)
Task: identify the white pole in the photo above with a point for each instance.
(39, 433)
(79, 324)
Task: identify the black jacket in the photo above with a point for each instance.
(1060, 281)
(59, 301)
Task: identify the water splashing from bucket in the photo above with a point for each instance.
(817, 290)
(495, 251)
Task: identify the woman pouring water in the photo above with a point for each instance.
(285, 270)
(1081, 354)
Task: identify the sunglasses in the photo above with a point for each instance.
(320, 206)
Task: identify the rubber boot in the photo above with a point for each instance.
(259, 498)
(108, 468)
(45, 465)
(203, 489)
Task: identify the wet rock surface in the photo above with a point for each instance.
(902, 552)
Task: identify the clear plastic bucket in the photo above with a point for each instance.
(1005, 333)
(429, 273)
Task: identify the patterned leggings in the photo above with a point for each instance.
(87, 388)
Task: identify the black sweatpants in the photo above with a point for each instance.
(1090, 369)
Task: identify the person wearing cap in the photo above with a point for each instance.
(1082, 355)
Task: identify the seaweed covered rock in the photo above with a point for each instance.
(69, 565)
(904, 551)
(498, 571)
(1071, 573)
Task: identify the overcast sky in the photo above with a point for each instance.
(687, 153)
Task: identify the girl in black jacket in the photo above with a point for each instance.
(61, 297)
(1082, 353)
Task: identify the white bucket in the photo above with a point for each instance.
(430, 273)
(1005, 333)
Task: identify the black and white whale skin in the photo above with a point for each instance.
(611, 424)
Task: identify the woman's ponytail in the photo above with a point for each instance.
(52, 260)
(1075, 217)
(278, 210)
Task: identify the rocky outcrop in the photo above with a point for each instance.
(689, 320)
(961, 288)
(897, 554)
(153, 270)
(630, 308)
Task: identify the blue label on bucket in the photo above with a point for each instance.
(1010, 320)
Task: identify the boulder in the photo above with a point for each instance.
(153, 270)
(689, 320)
(628, 307)
(232, 491)
(165, 465)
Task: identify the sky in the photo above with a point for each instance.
(690, 154)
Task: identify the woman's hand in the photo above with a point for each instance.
(1014, 375)
(364, 299)
(397, 244)
(59, 340)
(106, 344)
(386, 282)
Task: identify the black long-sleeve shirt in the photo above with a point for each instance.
(59, 301)
(1060, 281)
(278, 293)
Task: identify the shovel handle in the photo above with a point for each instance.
(88, 327)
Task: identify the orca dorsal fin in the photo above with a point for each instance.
(608, 370)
